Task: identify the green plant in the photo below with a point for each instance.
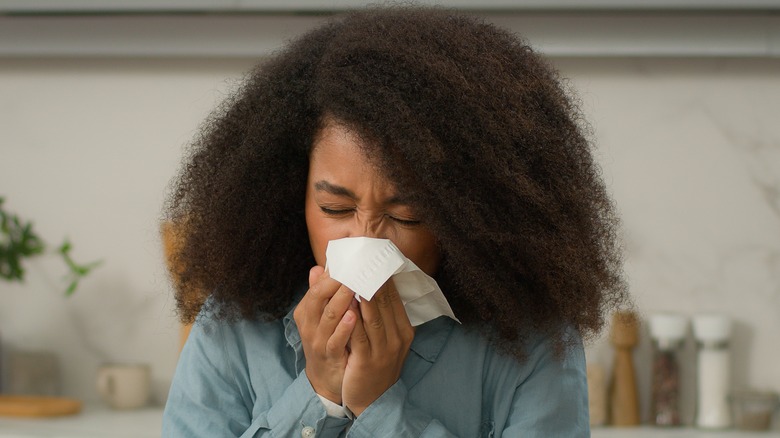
(18, 241)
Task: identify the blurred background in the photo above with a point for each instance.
(99, 99)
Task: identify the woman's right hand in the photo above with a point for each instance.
(325, 322)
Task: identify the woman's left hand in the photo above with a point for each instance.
(379, 345)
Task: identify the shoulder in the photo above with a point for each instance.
(471, 345)
(213, 390)
(235, 338)
(542, 394)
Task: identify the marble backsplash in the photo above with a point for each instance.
(690, 149)
(691, 152)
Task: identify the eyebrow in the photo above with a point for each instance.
(325, 186)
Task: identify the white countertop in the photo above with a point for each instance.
(97, 421)
(655, 432)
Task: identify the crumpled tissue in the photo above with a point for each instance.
(364, 264)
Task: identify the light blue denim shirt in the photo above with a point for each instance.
(247, 379)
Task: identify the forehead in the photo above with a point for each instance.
(339, 150)
(334, 134)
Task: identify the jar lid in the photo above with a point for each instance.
(712, 328)
(668, 326)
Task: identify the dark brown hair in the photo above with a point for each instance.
(470, 124)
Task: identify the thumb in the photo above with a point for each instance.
(314, 274)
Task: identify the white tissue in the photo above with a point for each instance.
(364, 264)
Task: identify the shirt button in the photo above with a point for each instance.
(307, 432)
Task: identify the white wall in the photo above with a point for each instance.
(690, 149)
(691, 152)
(87, 148)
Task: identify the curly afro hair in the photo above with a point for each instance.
(469, 123)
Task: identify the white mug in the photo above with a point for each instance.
(124, 386)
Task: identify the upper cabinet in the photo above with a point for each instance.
(275, 6)
(255, 28)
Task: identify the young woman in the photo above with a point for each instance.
(454, 140)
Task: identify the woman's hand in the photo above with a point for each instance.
(379, 345)
(325, 322)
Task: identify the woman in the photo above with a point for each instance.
(452, 139)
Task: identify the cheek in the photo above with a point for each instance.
(421, 248)
(318, 235)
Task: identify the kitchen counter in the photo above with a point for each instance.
(97, 421)
(654, 432)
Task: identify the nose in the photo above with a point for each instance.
(368, 227)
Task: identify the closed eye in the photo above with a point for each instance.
(336, 211)
(340, 212)
(407, 222)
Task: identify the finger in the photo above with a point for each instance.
(337, 343)
(309, 310)
(321, 290)
(334, 309)
(358, 342)
(386, 303)
(399, 311)
(398, 330)
(373, 323)
(314, 274)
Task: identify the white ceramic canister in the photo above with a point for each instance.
(124, 386)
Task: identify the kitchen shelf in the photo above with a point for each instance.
(741, 34)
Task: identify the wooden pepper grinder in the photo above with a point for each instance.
(624, 403)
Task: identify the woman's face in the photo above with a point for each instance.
(347, 197)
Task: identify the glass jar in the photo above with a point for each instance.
(712, 334)
(668, 334)
(753, 409)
